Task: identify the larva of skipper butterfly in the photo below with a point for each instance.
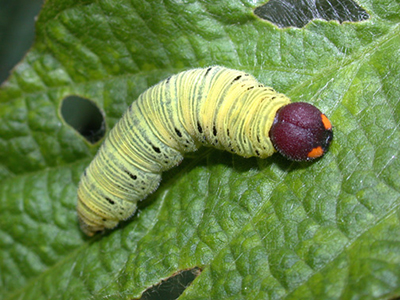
(216, 107)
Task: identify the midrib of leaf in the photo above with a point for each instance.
(356, 57)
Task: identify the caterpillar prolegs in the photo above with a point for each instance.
(217, 107)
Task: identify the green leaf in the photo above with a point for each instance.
(258, 229)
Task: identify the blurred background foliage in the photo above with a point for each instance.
(17, 31)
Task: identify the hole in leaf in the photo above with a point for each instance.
(172, 287)
(297, 13)
(84, 116)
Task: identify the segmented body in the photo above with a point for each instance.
(219, 107)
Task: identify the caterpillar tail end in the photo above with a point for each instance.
(91, 223)
(89, 230)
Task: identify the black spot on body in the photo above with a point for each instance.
(236, 79)
(214, 131)
(227, 132)
(258, 153)
(250, 88)
(178, 132)
(199, 128)
(109, 200)
(134, 177)
(167, 80)
(208, 71)
(156, 149)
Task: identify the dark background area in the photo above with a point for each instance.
(17, 31)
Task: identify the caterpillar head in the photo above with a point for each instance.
(301, 132)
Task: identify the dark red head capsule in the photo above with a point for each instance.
(301, 132)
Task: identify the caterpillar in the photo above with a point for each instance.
(217, 107)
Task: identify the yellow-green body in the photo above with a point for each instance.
(219, 107)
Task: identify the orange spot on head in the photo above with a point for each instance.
(326, 122)
(316, 152)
